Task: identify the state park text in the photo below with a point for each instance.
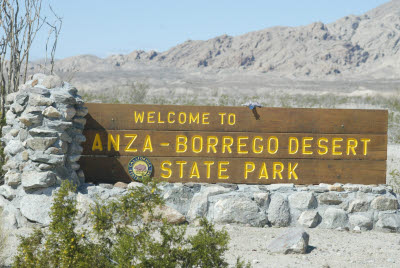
(236, 144)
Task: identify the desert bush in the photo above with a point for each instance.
(125, 232)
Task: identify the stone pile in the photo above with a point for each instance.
(42, 138)
(343, 207)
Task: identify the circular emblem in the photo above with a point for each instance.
(139, 167)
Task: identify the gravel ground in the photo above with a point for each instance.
(327, 248)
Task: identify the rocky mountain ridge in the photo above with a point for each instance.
(354, 46)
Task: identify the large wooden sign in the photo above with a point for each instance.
(235, 144)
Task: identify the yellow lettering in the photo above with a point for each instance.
(249, 167)
(115, 143)
(200, 143)
(166, 169)
(222, 169)
(231, 119)
(277, 171)
(240, 144)
(227, 145)
(291, 171)
(211, 144)
(365, 142)
(260, 148)
(181, 163)
(128, 147)
(182, 118)
(147, 144)
(208, 164)
(139, 117)
(169, 117)
(195, 119)
(181, 144)
(159, 119)
(336, 146)
(306, 145)
(222, 117)
(296, 149)
(97, 145)
(194, 171)
(322, 146)
(150, 117)
(351, 145)
(205, 118)
(276, 145)
(263, 172)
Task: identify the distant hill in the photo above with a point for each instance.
(354, 46)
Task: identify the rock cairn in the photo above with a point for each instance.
(42, 138)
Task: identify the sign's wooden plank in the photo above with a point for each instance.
(216, 118)
(233, 170)
(235, 144)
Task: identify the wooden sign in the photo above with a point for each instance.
(235, 144)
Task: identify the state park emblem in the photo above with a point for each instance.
(139, 167)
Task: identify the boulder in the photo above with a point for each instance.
(199, 204)
(36, 208)
(235, 208)
(303, 201)
(389, 222)
(334, 218)
(179, 198)
(309, 218)
(279, 211)
(364, 221)
(291, 241)
(385, 202)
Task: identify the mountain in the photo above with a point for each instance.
(352, 47)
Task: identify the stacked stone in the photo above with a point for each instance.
(338, 206)
(42, 138)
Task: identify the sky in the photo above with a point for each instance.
(105, 27)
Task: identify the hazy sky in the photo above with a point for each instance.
(104, 27)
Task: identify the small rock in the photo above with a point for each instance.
(69, 113)
(336, 187)
(120, 184)
(51, 81)
(329, 198)
(169, 214)
(292, 241)
(39, 100)
(106, 185)
(34, 179)
(51, 112)
(358, 205)
(357, 229)
(40, 144)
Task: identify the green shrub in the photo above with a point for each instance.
(126, 232)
